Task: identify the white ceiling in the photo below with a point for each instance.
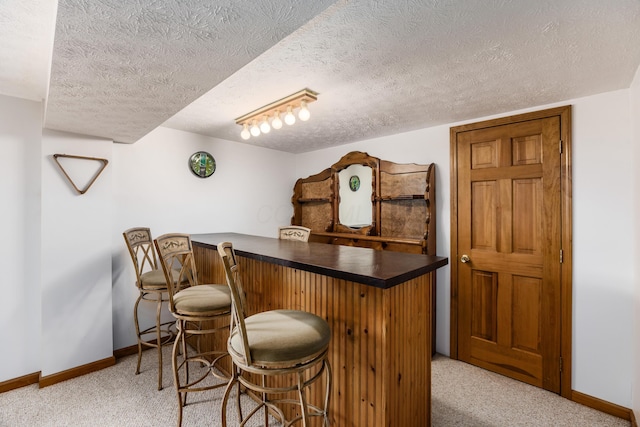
(26, 39)
(120, 68)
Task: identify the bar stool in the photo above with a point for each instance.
(152, 287)
(275, 343)
(198, 309)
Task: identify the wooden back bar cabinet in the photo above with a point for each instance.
(365, 201)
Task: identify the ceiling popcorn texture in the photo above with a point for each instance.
(121, 68)
(382, 68)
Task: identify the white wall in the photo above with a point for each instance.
(603, 247)
(250, 192)
(635, 120)
(602, 214)
(20, 128)
(76, 260)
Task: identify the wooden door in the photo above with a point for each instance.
(509, 249)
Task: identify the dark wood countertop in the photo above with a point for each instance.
(382, 269)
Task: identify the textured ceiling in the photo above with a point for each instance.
(384, 67)
(121, 68)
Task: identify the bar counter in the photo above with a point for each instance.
(377, 304)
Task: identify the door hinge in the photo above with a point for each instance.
(560, 146)
(561, 256)
(560, 363)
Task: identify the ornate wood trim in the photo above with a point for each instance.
(357, 158)
(403, 206)
(313, 197)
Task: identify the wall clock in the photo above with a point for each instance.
(202, 164)
(354, 183)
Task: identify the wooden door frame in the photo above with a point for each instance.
(564, 114)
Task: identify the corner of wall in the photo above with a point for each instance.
(20, 138)
(635, 123)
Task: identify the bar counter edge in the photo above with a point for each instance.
(326, 259)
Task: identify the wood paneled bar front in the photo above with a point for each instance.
(376, 302)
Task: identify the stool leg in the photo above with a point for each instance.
(303, 400)
(135, 321)
(185, 357)
(239, 403)
(184, 385)
(227, 392)
(328, 392)
(264, 401)
(159, 339)
(174, 364)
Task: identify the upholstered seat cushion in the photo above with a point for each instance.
(154, 279)
(281, 336)
(202, 299)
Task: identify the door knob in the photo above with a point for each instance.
(465, 258)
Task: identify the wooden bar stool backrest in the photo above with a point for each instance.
(294, 232)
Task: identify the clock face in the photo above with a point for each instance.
(202, 164)
(354, 183)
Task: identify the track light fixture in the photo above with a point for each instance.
(267, 117)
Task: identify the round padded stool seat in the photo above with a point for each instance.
(281, 337)
(154, 279)
(202, 299)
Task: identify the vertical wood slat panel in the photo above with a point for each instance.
(409, 350)
(381, 342)
(339, 355)
(376, 344)
(364, 357)
(210, 271)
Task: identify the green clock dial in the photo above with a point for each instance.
(202, 164)
(354, 183)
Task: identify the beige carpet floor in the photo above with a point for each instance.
(116, 397)
(463, 395)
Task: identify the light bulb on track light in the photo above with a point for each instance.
(304, 113)
(276, 123)
(255, 130)
(264, 126)
(245, 134)
(289, 118)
